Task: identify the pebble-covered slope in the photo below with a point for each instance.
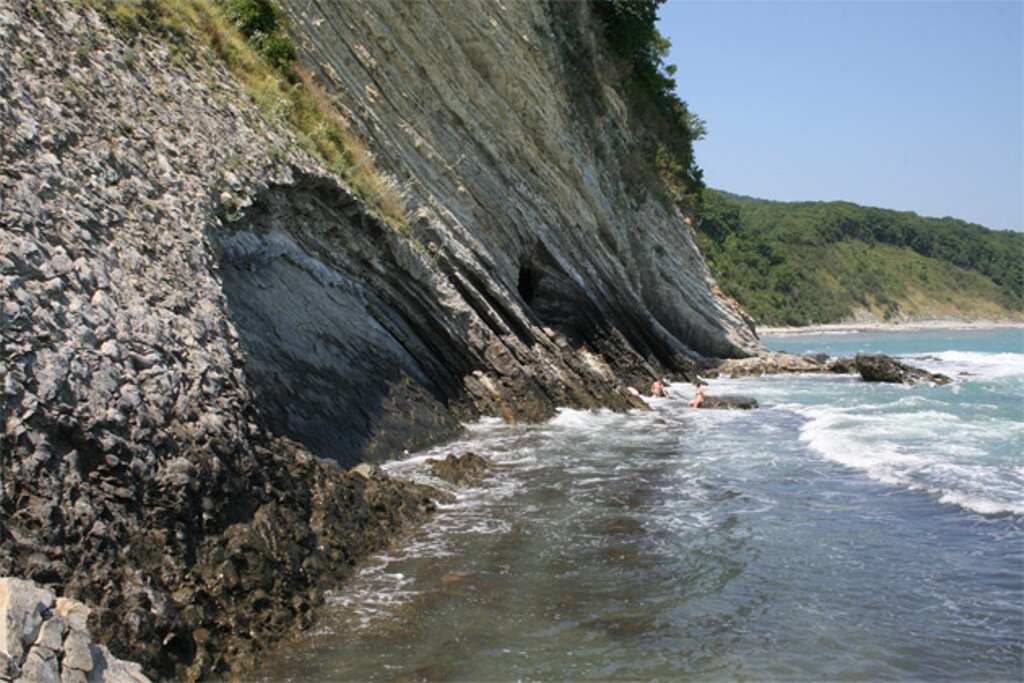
(136, 474)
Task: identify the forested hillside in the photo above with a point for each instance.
(800, 263)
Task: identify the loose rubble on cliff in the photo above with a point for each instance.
(43, 638)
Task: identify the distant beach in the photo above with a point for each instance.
(910, 326)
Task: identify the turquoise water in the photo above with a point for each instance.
(842, 531)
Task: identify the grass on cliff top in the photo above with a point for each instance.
(280, 88)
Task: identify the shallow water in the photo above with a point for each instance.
(844, 530)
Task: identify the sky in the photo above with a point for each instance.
(913, 105)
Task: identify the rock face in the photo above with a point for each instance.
(200, 323)
(43, 639)
(537, 276)
(881, 368)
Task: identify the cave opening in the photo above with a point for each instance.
(527, 283)
(557, 300)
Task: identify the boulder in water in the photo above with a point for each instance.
(459, 469)
(729, 403)
(882, 368)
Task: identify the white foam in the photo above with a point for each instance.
(833, 435)
(981, 365)
(570, 418)
(907, 449)
(983, 506)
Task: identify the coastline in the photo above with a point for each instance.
(878, 326)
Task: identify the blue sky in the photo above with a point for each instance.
(912, 105)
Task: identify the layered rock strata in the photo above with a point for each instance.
(200, 323)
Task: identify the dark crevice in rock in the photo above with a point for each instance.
(557, 300)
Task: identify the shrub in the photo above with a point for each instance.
(279, 50)
(253, 16)
(632, 35)
(261, 22)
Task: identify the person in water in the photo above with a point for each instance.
(658, 389)
(698, 398)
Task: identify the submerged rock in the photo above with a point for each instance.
(729, 403)
(459, 470)
(871, 367)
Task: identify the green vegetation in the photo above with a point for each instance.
(262, 24)
(633, 37)
(248, 36)
(817, 262)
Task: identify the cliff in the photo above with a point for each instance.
(200, 322)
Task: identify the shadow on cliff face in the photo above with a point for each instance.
(556, 300)
(338, 358)
(616, 332)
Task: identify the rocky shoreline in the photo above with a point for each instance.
(870, 367)
(204, 330)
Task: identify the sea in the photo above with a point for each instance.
(842, 531)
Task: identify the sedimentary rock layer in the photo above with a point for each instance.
(200, 323)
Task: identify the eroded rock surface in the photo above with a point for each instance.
(137, 472)
(768, 363)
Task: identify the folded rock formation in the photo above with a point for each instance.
(200, 322)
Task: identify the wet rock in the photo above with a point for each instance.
(459, 470)
(842, 366)
(729, 403)
(882, 368)
(872, 368)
